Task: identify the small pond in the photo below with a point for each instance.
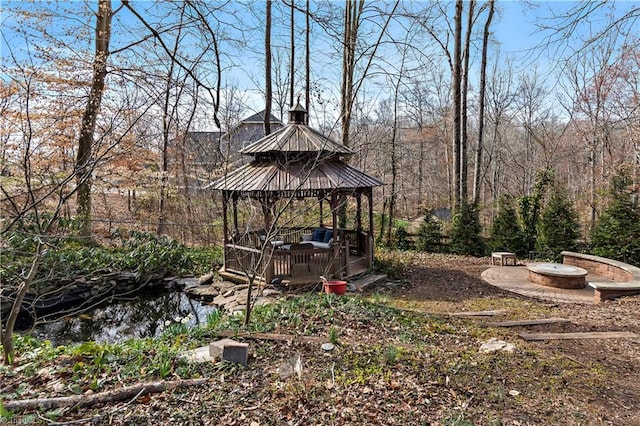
(144, 315)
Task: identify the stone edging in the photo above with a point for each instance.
(626, 277)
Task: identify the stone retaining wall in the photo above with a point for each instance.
(614, 270)
(626, 277)
(599, 266)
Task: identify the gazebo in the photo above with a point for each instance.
(295, 162)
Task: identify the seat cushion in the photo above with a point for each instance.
(318, 234)
(327, 236)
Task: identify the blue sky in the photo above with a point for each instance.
(514, 28)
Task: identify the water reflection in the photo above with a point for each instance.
(142, 316)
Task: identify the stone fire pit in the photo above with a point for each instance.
(557, 275)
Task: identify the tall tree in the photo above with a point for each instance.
(456, 79)
(589, 88)
(481, 107)
(293, 55)
(92, 109)
(352, 12)
(307, 56)
(464, 105)
(268, 93)
(167, 121)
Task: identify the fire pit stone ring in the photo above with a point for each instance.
(557, 275)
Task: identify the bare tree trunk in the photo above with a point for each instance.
(421, 173)
(166, 133)
(456, 77)
(307, 96)
(87, 130)
(293, 56)
(268, 93)
(352, 11)
(463, 119)
(7, 331)
(483, 85)
(394, 164)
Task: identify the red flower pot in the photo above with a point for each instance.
(335, 287)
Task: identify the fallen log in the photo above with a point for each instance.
(113, 395)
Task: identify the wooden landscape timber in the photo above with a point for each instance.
(585, 335)
(518, 323)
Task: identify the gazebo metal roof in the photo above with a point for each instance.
(298, 177)
(297, 139)
(295, 160)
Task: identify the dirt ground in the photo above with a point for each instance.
(453, 283)
(389, 366)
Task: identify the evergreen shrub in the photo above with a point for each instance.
(506, 232)
(558, 228)
(466, 232)
(616, 234)
(429, 234)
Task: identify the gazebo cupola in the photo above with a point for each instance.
(297, 162)
(298, 115)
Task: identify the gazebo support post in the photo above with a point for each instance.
(359, 212)
(267, 246)
(370, 239)
(225, 228)
(235, 213)
(335, 247)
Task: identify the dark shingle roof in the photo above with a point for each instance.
(258, 117)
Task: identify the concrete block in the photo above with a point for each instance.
(215, 348)
(230, 350)
(236, 353)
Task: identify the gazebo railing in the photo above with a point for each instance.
(304, 265)
(250, 253)
(244, 260)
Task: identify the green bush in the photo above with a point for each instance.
(616, 233)
(466, 232)
(401, 238)
(506, 232)
(429, 234)
(143, 253)
(531, 205)
(558, 228)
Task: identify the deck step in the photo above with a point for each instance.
(233, 277)
(367, 281)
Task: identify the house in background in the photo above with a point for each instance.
(208, 150)
(203, 151)
(244, 133)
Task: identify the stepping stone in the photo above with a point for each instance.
(201, 354)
